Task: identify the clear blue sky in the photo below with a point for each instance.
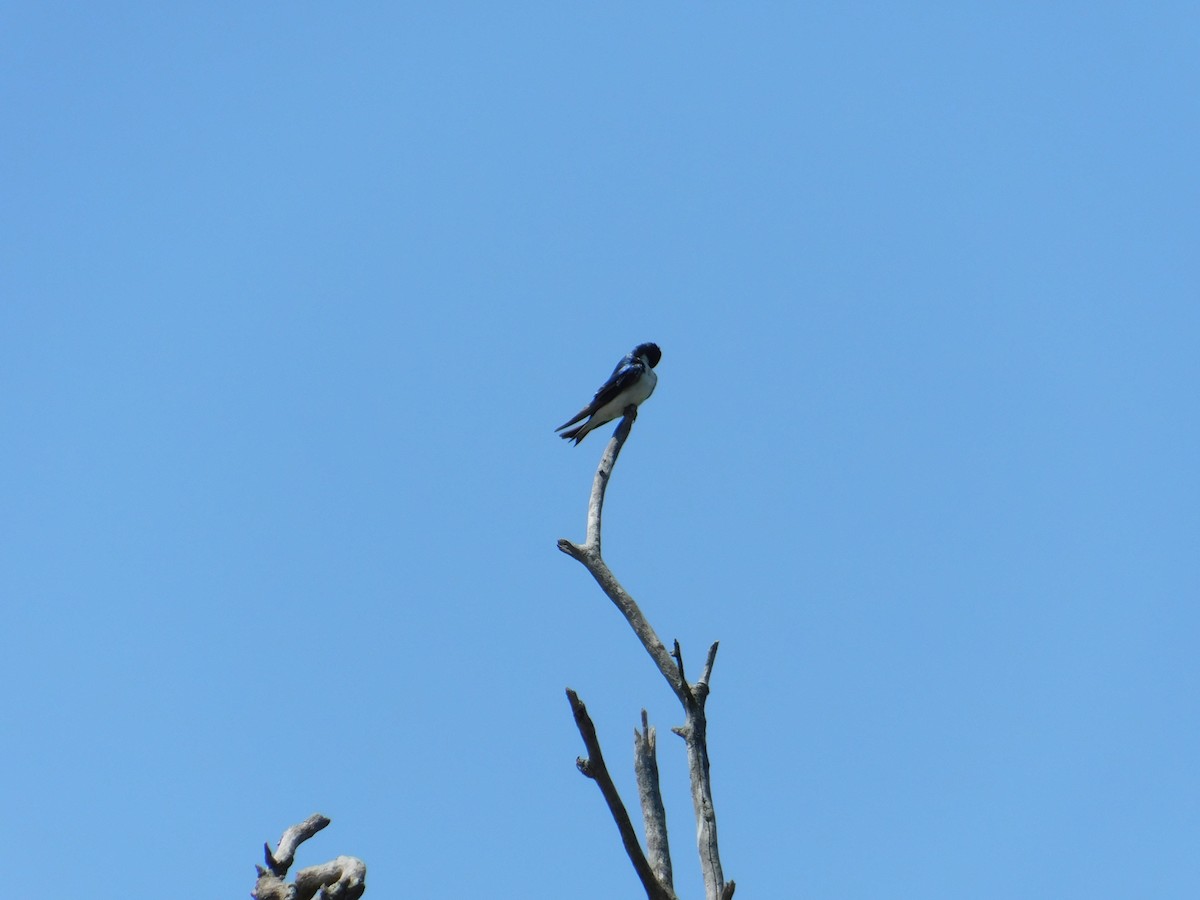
(293, 296)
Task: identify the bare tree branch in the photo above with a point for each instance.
(654, 814)
(281, 860)
(700, 688)
(692, 698)
(594, 768)
(343, 878)
(694, 732)
(588, 554)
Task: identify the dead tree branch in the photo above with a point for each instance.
(588, 553)
(691, 697)
(285, 854)
(654, 814)
(343, 878)
(594, 768)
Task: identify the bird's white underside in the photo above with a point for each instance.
(636, 395)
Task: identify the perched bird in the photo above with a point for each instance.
(632, 381)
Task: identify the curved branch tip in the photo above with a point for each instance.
(572, 549)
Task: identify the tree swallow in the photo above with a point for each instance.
(632, 381)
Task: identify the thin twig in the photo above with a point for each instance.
(688, 699)
(700, 688)
(678, 656)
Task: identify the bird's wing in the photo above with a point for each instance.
(623, 377)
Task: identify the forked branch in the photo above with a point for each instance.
(594, 768)
(343, 878)
(691, 696)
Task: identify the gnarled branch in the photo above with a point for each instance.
(343, 878)
(285, 853)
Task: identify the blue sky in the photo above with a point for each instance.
(294, 295)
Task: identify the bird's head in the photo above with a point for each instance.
(648, 352)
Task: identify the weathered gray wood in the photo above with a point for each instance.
(694, 732)
(692, 697)
(593, 767)
(588, 553)
(343, 878)
(285, 853)
(654, 814)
